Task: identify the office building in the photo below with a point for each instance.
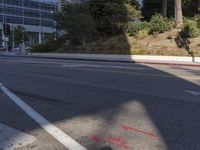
(36, 16)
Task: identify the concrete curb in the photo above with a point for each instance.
(164, 60)
(144, 59)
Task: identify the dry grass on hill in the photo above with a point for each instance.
(168, 43)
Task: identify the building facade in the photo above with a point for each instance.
(36, 16)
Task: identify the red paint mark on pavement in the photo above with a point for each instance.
(117, 141)
(95, 138)
(150, 134)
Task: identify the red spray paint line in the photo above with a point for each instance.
(150, 134)
(95, 138)
(117, 141)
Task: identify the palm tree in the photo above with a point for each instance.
(164, 8)
(178, 13)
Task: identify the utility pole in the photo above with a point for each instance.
(164, 8)
(6, 32)
(6, 29)
(3, 33)
(13, 38)
(40, 33)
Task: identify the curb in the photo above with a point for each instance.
(169, 64)
(145, 59)
(174, 63)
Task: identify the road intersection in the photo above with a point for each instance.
(100, 105)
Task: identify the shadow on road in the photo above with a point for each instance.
(113, 100)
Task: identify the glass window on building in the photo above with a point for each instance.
(13, 2)
(13, 10)
(47, 7)
(46, 23)
(1, 8)
(47, 15)
(31, 4)
(31, 21)
(15, 20)
(31, 13)
(1, 18)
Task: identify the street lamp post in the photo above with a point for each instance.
(3, 32)
(40, 33)
(55, 24)
(13, 38)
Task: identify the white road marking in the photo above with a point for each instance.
(195, 93)
(105, 66)
(63, 138)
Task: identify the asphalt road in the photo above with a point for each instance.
(99, 105)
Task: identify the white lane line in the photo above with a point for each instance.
(106, 66)
(63, 138)
(195, 93)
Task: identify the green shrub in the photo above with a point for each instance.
(49, 46)
(134, 28)
(38, 48)
(190, 29)
(159, 24)
(142, 34)
(197, 19)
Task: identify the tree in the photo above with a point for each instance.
(151, 7)
(191, 7)
(178, 13)
(77, 23)
(164, 8)
(111, 17)
(134, 3)
(20, 35)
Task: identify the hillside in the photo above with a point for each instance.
(168, 43)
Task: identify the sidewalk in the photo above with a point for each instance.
(145, 59)
(164, 60)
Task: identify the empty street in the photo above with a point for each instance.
(52, 104)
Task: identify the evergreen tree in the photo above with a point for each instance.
(111, 17)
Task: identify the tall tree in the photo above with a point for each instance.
(178, 13)
(150, 7)
(77, 23)
(191, 7)
(111, 16)
(164, 8)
